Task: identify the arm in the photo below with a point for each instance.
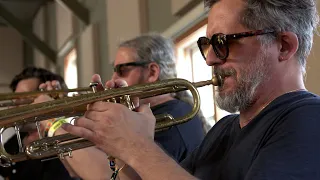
(92, 163)
(151, 162)
(292, 151)
(128, 136)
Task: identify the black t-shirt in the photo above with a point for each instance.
(281, 143)
(179, 141)
(33, 169)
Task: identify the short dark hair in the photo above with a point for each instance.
(42, 74)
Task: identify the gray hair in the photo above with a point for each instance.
(156, 48)
(297, 16)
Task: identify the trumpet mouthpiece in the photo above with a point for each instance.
(217, 80)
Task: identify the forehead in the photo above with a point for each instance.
(29, 84)
(224, 17)
(124, 55)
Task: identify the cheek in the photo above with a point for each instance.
(130, 79)
(127, 79)
(134, 78)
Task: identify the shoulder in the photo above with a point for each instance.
(188, 134)
(178, 109)
(299, 99)
(296, 106)
(303, 108)
(297, 121)
(174, 107)
(289, 145)
(303, 115)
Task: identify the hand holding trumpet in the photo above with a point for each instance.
(113, 127)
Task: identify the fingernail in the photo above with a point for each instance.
(149, 104)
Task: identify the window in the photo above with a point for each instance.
(70, 70)
(71, 75)
(192, 66)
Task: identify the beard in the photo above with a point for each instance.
(247, 82)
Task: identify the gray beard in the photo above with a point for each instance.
(249, 79)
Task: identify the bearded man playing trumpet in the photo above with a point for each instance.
(259, 48)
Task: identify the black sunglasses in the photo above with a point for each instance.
(120, 68)
(220, 42)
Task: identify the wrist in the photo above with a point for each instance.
(152, 161)
(139, 153)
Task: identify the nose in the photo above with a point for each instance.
(212, 59)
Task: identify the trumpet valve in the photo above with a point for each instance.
(93, 86)
(126, 100)
(64, 154)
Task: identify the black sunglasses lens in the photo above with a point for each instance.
(220, 45)
(117, 70)
(204, 45)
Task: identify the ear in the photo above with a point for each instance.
(154, 72)
(289, 45)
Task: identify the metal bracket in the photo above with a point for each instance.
(27, 34)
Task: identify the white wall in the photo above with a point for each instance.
(11, 59)
(11, 53)
(87, 64)
(123, 23)
(63, 24)
(38, 30)
(313, 65)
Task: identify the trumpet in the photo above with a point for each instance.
(23, 98)
(63, 145)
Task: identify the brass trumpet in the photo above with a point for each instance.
(28, 97)
(63, 145)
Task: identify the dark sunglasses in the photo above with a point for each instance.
(120, 68)
(220, 42)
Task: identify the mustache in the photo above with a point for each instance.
(224, 72)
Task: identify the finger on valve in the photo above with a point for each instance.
(43, 97)
(97, 79)
(118, 83)
(56, 86)
(43, 87)
(49, 86)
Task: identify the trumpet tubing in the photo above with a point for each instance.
(63, 145)
(22, 98)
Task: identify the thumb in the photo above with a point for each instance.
(96, 78)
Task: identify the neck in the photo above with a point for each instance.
(264, 98)
(157, 100)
